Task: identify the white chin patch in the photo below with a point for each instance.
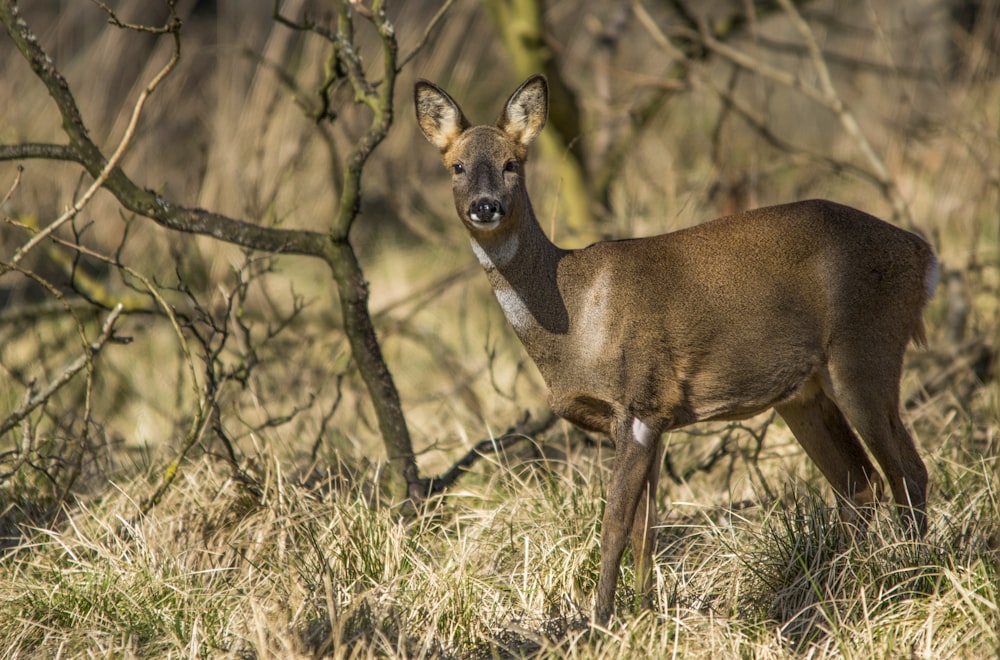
(488, 222)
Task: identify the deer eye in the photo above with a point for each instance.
(510, 166)
(458, 168)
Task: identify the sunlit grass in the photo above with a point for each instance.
(505, 565)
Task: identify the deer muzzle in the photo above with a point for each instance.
(485, 211)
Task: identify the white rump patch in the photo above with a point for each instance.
(642, 434)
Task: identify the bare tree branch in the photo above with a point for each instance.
(27, 150)
(523, 430)
(332, 246)
(431, 25)
(760, 125)
(825, 95)
(133, 197)
(112, 162)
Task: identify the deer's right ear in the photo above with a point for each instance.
(439, 117)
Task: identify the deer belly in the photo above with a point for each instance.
(737, 393)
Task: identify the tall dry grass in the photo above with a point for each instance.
(291, 554)
(502, 567)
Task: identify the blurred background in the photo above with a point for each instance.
(665, 114)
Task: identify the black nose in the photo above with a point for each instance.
(485, 210)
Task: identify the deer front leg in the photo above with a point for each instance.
(643, 528)
(636, 449)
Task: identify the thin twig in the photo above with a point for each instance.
(200, 423)
(172, 24)
(427, 34)
(133, 197)
(14, 186)
(21, 455)
(760, 125)
(523, 430)
(825, 95)
(847, 119)
(67, 374)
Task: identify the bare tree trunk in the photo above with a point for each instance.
(402, 478)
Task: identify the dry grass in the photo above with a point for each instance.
(503, 566)
(292, 555)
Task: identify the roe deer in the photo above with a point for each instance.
(805, 307)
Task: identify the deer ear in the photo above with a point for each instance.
(439, 117)
(527, 108)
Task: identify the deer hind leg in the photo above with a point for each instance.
(828, 440)
(635, 458)
(868, 395)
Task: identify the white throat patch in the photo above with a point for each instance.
(513, 306)
(502, 253)
(514, 309)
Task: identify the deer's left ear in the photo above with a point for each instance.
(527, 108)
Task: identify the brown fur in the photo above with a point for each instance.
(805, 307)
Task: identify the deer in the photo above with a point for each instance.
(805, 307)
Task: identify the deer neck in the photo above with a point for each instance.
(522, 266)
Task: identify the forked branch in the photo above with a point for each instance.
(332, 246)
(119, 152)
(84, 151)
(831, 99)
